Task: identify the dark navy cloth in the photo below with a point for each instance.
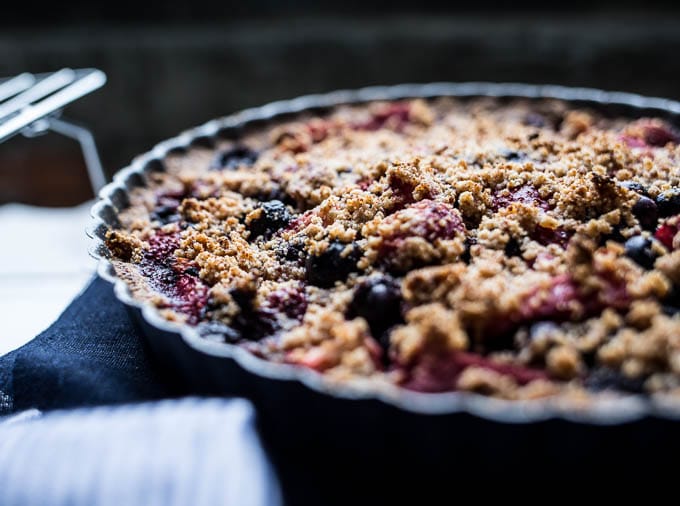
(92, 355)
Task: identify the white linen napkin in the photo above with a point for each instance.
(44, 263)
(169, 453)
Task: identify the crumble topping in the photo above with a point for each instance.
(518, 249)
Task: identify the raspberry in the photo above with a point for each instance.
(547, 236)
(659, 135)
(651, 134)
(526, 194)
(666, 232)
(162, 247)
(395, 115)
(291, 301)
(427, 219)
(174, 277)
(553, 305)
(440, 373)
(557, 302)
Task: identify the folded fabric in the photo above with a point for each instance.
(183, 452)
(91, 355)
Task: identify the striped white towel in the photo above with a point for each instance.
(187, 452)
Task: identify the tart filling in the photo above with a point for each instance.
(518, 250)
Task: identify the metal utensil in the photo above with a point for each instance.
(31, 104)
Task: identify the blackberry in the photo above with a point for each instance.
(604, 378)
(293, 251)
(233, 158)
(251, 323)
(192, 271)
(165, 214)
(331, 265)
(274, 216)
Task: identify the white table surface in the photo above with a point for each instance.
(43, 264)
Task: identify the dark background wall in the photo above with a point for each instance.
(178, 64)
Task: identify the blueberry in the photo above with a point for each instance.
(275, 194)
(165, 214)
(218, 331)
(233, 158)
(166, 208)
(535, 120)
(192, 271)
(467, 254)
(378, 301)
(604, 378)
(615, 235)
(251, 323)
(670, 310)
(244, 298)
(274, 216)
(546, 119)
(668, 202)
(331, 265)
(511, 156)
(673, 297)
(512, 248)
(639, 249)
(671, 303)
(636, 187)
(646, 212)
(589, 357)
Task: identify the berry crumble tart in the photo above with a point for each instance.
(517, 249)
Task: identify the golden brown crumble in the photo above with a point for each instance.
(517, 250)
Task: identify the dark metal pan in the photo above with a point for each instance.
(304, 416)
